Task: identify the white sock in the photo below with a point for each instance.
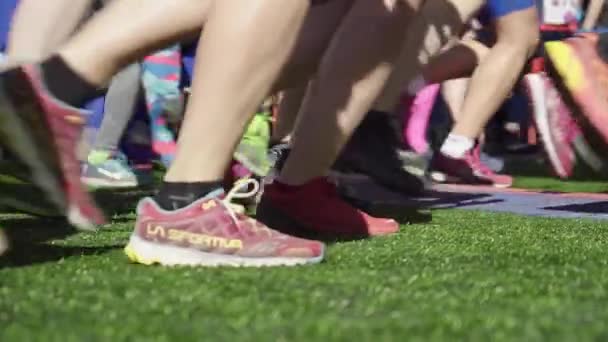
(416, 85)
(456, 146)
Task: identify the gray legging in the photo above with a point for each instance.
(121, 100)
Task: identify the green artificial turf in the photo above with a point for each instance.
(535, 174)
(464, 276)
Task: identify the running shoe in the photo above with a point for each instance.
(44, 133)
(495, 163)
(417, 113)
(585, 75)
(210, 233)
(498, 180)
(109, 170)
(554, 122)
(252, 151)
(375, 150)
(316, 208)
(594, 159)
(277, 155)
(467, 170)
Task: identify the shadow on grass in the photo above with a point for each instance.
(587, 208)
(382, 202)
(29, 236)
(30, 239)
(27, 198)
(539, 167)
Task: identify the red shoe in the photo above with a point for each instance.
(317, 208)
(44, 133)
(555, 123)
(210, 233)
(498, 180)
(468, 170)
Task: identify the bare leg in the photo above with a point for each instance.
(205, 157)
(317, 32)
(346, 85)
(517, 37)
(289, 107)
(318, 29)
(39, 27)
(97, 54)
(456, 62)
(98, 51)
(437, 23)
(453, 92)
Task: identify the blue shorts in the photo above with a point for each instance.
(495, 9)
(7, 7)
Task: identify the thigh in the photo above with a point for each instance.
(518, 26)
(496, 9)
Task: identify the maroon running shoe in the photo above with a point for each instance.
(316, 208)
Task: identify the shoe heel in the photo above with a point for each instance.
(274, 218)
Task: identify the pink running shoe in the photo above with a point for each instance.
(210, 233)
(498, 180)
(44, 134)
(554, 121)
(468, 170)
(417, 112)
(585, 75)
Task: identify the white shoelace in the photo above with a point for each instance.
(234, 193)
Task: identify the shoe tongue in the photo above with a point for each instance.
(219, 193)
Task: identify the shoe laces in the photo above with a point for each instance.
(237, 212)
(476, 163)
(240, 190)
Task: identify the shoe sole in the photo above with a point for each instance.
(105, 184)
(443, 178)
(275, 218)
(589, 156)
(16, 135)
(148, 253)
(535, 86)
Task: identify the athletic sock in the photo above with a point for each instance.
(456, 146)
(64, 83)
(173, 196)
(416, 85)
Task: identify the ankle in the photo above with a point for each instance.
(64, 83)
(456, 146)
(174, 195)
